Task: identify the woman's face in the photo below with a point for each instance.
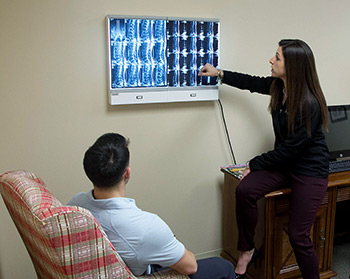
(278, 70)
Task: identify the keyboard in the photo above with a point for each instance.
(338, 166)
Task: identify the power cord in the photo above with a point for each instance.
(227, 133)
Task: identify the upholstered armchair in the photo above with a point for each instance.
(62, 241)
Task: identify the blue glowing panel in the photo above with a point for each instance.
(161, 53)
(190, 45)
(138, 53)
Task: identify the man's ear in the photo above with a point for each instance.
(127, 174)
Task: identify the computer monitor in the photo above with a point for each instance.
(155, 59)
(338, 137)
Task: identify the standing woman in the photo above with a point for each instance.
(300, 155)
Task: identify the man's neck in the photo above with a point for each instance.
(117, 191)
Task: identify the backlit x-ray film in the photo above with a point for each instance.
(161, 53)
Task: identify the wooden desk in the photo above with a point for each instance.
(277, 260)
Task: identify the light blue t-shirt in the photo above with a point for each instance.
(141, 238)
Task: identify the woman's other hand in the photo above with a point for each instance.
(245, 172)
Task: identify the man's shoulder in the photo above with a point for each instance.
(156, 227)
(79, 199)
(143, 218)
(147, 224)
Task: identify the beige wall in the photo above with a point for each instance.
(54, 104)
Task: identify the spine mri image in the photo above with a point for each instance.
(161, 53)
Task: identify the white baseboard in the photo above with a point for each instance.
(208, 254)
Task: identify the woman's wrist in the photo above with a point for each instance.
(220, 75)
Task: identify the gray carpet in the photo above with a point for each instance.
(341, 260)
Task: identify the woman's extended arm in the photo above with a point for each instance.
(239, 80)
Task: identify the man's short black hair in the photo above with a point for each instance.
(106, 160)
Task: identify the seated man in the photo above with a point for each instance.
(143, 240)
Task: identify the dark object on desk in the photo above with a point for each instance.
(339, 166)
(338, 134)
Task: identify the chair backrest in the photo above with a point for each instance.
(62, 241)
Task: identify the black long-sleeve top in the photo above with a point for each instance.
(294, 152)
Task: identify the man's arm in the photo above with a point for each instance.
(187, 264)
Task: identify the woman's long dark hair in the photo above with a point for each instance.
(302, 83)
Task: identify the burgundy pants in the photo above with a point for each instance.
(307, 195)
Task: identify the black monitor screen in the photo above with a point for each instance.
(338, 137)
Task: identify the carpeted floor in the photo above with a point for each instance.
(341, 260)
